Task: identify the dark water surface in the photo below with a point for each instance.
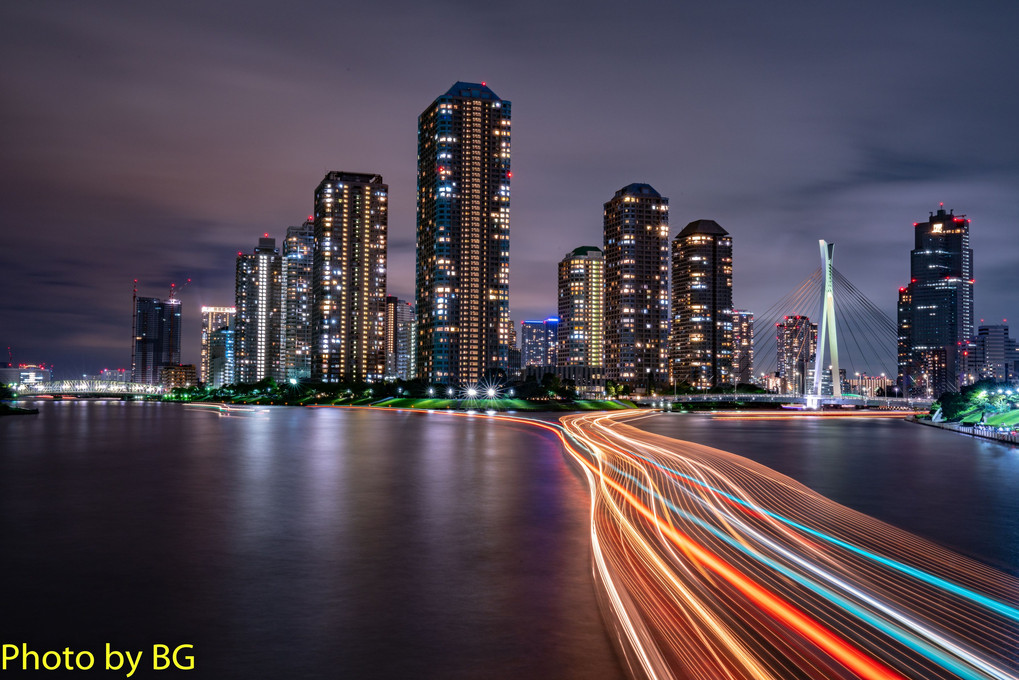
(298, 543)
(959, 491)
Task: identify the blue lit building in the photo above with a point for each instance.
(539, 342)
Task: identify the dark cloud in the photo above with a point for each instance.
(154, 141)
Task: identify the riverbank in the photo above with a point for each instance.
(970, 430)
(430, 404)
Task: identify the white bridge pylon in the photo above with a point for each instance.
(827, 329)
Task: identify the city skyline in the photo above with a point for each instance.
(807, 161)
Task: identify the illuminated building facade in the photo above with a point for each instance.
(348, 318)
(636, 252)
(214, 369)
(701, 345)
(179, 375)
(538, 342)
(581, 340)
(991, 355)
(904, 316)
(157, 326)
(298, 263)
(29, 374)
(221, 357)
(939, 313)
(463, 227)
(400, 350)
(257, 322)
(742, 346)
(797, 348)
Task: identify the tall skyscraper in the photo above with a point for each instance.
(636, 286)
(939, 312)
(298, 261)
(463, 226)
(213, 366)
(351, 223)
(700, 347)
(581, 340)
(742, 346)
(157, 330)
(797, 347)
(400, 350)
(258, 297)
(539, 340)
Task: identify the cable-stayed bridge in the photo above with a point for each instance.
(816, 339)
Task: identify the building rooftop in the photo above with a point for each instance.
(471, 91)
(358, 177)
(703, 227)
(638, 189)
(584, 250)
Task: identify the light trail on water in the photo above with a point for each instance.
(712, 566)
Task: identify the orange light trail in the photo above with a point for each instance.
(710, 566)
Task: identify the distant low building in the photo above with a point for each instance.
(25, 374)
(182, 375)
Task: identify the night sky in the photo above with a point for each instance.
(155, 140)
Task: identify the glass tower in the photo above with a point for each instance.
(156, 339)
(936, 307)
(463, 226)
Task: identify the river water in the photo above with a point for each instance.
(325, 543)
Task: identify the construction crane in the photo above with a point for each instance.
(174, 290)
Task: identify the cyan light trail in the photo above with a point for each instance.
(709, 565)
(891, 610)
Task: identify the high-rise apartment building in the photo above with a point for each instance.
(216, 353)
(701, 346)
(938, 317)
(157, 331)
(581, 340)
(539, 340)
(400, 350)
(351, 223)
(797, 348)
(257, 322)
(742, 346)
(298, 262)
(463, 227)
(636, 252)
